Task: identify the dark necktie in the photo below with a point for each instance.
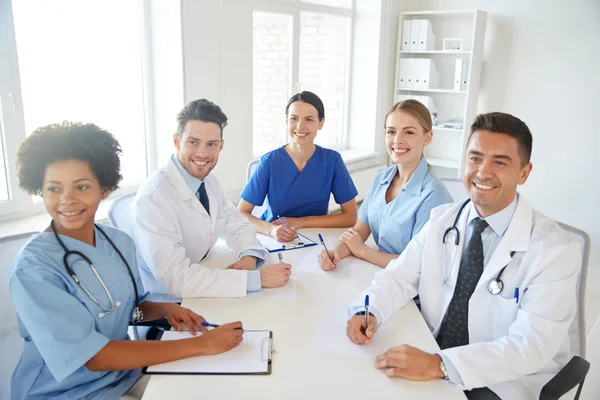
(203, 197)
(455, 329)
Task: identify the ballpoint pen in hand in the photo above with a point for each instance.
(323, 243)
(280, 256)
(366, 314)
(285, 223)
(209, 325)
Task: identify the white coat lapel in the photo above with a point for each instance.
(182, 189)
(516, 238)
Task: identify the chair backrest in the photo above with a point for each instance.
(259, 209)
(11, 343)
(592, 380)
(119, 214)
(577, 331)
(456, 188)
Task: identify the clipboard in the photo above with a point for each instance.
(273, 246)
(251, 357)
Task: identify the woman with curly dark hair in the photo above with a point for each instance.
(76, 286)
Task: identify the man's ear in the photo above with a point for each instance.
(176, 140)
(525, 171)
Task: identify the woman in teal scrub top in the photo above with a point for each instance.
(401, 197)
(75, 335)
(298, 178)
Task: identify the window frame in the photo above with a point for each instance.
(12, 118)
(294, 8)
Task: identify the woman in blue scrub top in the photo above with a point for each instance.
(401, 197)
(75, 335)
(298, 178)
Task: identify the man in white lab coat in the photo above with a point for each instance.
(180, 212)
(495, 343)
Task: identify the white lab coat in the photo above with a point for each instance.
(514, 348)
(174, 232)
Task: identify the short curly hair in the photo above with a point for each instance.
(68, 141)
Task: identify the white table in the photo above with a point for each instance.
(299, 370)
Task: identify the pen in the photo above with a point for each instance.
(516, 295)
(366, 313)
(209, 325)
(285, 223)
(323, 243)
(280, 256)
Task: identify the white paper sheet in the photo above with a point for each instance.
(330, 336)
(251, 356)
(272, 244)
(286, 292)
(310, 263)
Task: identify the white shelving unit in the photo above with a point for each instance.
(446, 152)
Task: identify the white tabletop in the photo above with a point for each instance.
(306, 364)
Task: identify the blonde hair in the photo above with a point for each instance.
(416, 110)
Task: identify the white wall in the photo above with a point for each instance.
(542, 64)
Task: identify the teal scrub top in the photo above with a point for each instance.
(59, 322)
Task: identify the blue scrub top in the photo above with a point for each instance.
(299, 194)
(393, 225)
(59, 322)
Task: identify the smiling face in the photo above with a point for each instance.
(71, 194)
(198, 147)
(493, 171)
(405, 138)
(303, 122)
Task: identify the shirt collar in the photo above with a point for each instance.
(499, 221)
(191, 181)
(415, 183)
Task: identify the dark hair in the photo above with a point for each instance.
(509, 125)
(201, 110)
(68, 141)
(310, 98)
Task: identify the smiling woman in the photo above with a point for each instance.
(75, 285)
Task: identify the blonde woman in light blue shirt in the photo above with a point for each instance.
(400, 198)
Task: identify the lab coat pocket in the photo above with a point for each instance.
(504, 314)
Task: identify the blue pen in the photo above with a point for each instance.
(285, 223)
(206, 324)
(323, 243)
(280, 256)
(366, 313)
(516, 295)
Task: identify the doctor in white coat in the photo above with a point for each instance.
(180, 212)
(495, 344)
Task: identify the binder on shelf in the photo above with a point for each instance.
(411, 71)
(406, 35)
(426, 37)
(464, 76)
(414, 35)
(402, 73)
(458, 67)
(427, 75)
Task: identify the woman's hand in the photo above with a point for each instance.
(177, 315)
(282, 233)
(354, 242)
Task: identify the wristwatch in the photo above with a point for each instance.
(443, 369)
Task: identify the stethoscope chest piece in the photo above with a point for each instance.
(495, 286)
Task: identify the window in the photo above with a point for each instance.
(3, 177)
(79, 61)
(300, 47)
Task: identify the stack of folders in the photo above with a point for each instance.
(417, 73)
(417, 35)
(461, 74)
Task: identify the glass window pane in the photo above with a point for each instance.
(323, 67)
(333, 3)
(3, 177)
(272, 43)
(81, 61)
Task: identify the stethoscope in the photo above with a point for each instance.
(494, 286)
(137, 316)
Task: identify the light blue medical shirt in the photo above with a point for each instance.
(59, 322)
(254, 283)
(490, 237)
(394, 224)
